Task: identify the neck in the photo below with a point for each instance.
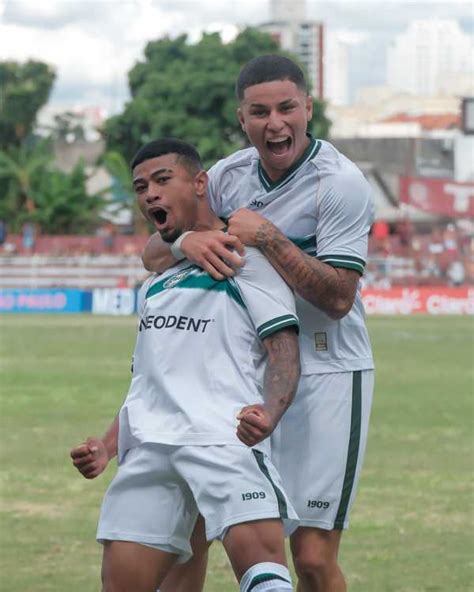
(208, 221)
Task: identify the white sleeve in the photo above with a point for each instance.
(268, 298)
(213, 193)
(344, 215)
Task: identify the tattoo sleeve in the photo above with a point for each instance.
(282, 372)
(330, 289)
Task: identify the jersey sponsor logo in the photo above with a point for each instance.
(176, 278)
(321, 341)
(182, 323)
(256, 203)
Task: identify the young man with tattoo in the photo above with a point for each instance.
(309, 210)
(216, 364)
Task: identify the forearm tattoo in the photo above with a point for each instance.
(282, 372)
(318, 283)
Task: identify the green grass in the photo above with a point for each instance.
(62, 378)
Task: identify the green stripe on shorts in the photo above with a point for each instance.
(353, 450)
(282, 507)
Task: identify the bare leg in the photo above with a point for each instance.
(190, 576)
(130, 566)
(255, 542)
(315, 558)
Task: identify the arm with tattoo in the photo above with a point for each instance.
(282, 371)
(331, 289)
(280, 383)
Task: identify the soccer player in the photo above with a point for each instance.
(309, 210)
(216, 364)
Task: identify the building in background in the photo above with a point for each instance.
(78, 123)
(380, 113)
(336, 70)
(305, 38)
(367, 64)
(427, 54)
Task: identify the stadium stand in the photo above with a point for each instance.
(84, 271)
(399, 255)
(72, 261)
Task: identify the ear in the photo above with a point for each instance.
(309, 107)
(200, 184)
(240, 116)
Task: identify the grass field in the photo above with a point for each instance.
(62, 378)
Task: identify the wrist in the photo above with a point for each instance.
(110, 446)
(176, 246)
(264, 234)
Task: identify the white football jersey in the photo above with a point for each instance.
(323, 204)
(199, 356)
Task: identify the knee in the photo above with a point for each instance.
(313, 566)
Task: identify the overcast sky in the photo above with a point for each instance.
(93, 43)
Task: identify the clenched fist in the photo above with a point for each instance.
(90, 458)
(255, 424)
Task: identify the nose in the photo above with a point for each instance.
(152, 193)
(275, 122)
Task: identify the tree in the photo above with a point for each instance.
(320, 124)
(25, 89)
(63, 205)
(37, 192)
(19, 167)
(68, 127)
(122, 192)
(187, 91)
(31, 188)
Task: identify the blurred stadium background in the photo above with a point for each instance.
(70, 267)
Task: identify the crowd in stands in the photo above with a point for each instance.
(107, 241)
(404, 254)
(400, 253)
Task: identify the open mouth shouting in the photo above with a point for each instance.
(159, 217)
(279, 146)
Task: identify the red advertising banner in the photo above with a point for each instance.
(407, 301)
(438, 196)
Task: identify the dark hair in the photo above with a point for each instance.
(186, 154)
(267, 68)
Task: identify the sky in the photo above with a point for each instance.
(92, 44)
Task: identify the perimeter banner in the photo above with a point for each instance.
(394, 301)
(438, 196)
(45, 300)
(407, 301)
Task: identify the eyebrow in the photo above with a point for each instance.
(157, 172)
(281, 103)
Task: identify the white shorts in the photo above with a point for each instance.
(158, 491)
(319, 446)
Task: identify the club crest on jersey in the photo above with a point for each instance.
(321, 341)
(176, 278)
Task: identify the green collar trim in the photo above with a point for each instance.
(310, 152)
